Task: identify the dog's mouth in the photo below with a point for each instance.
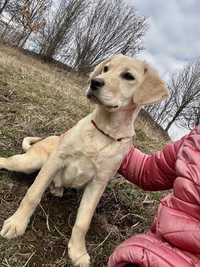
(96, 100)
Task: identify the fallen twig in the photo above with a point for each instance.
(29, 259)
(47, 218)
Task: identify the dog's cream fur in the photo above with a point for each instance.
(84, 156)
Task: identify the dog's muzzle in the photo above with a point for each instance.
(96, 84)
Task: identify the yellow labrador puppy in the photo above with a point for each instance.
(90, 153)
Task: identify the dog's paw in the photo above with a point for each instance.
(83, 261)
(79, 258)
(13, 227)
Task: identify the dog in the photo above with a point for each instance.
(90, 153)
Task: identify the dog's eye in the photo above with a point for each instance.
(105, 69)
(128, 76)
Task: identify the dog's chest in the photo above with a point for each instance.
(94, 157)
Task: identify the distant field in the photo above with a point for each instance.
(40, 99)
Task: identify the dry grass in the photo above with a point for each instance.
(40, 99)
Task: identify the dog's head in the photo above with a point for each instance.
(121, 82)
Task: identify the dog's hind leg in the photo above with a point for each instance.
(27, 163)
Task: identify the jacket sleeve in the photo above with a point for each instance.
(178, 217)
(151, 172)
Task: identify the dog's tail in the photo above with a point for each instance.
(29, 141)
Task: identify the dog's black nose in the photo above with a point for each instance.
(96, 84)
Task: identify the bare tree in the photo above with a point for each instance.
(109, 27)
(195, 120)
(3, 5)
(165, 109)
(53, 36)
(183, 104)
(28, 16)
(192, 118)
(160, 112)
(9, 31)
(186, 88)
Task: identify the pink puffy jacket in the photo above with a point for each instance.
(174, 239)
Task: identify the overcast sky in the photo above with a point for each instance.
(173, 37)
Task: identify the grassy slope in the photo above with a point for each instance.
(39, 99)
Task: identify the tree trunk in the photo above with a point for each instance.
(5, 30)
(22, 43)
(21, 38)
(3, 7)
(174, 119)
(170, 124)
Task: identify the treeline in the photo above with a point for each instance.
(79, 33)
(183, 105)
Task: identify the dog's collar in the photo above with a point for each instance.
(106, 134)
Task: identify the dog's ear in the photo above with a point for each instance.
(152, 90)
(98, 69)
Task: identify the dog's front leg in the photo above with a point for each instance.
(17, 223)
(77, 247)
